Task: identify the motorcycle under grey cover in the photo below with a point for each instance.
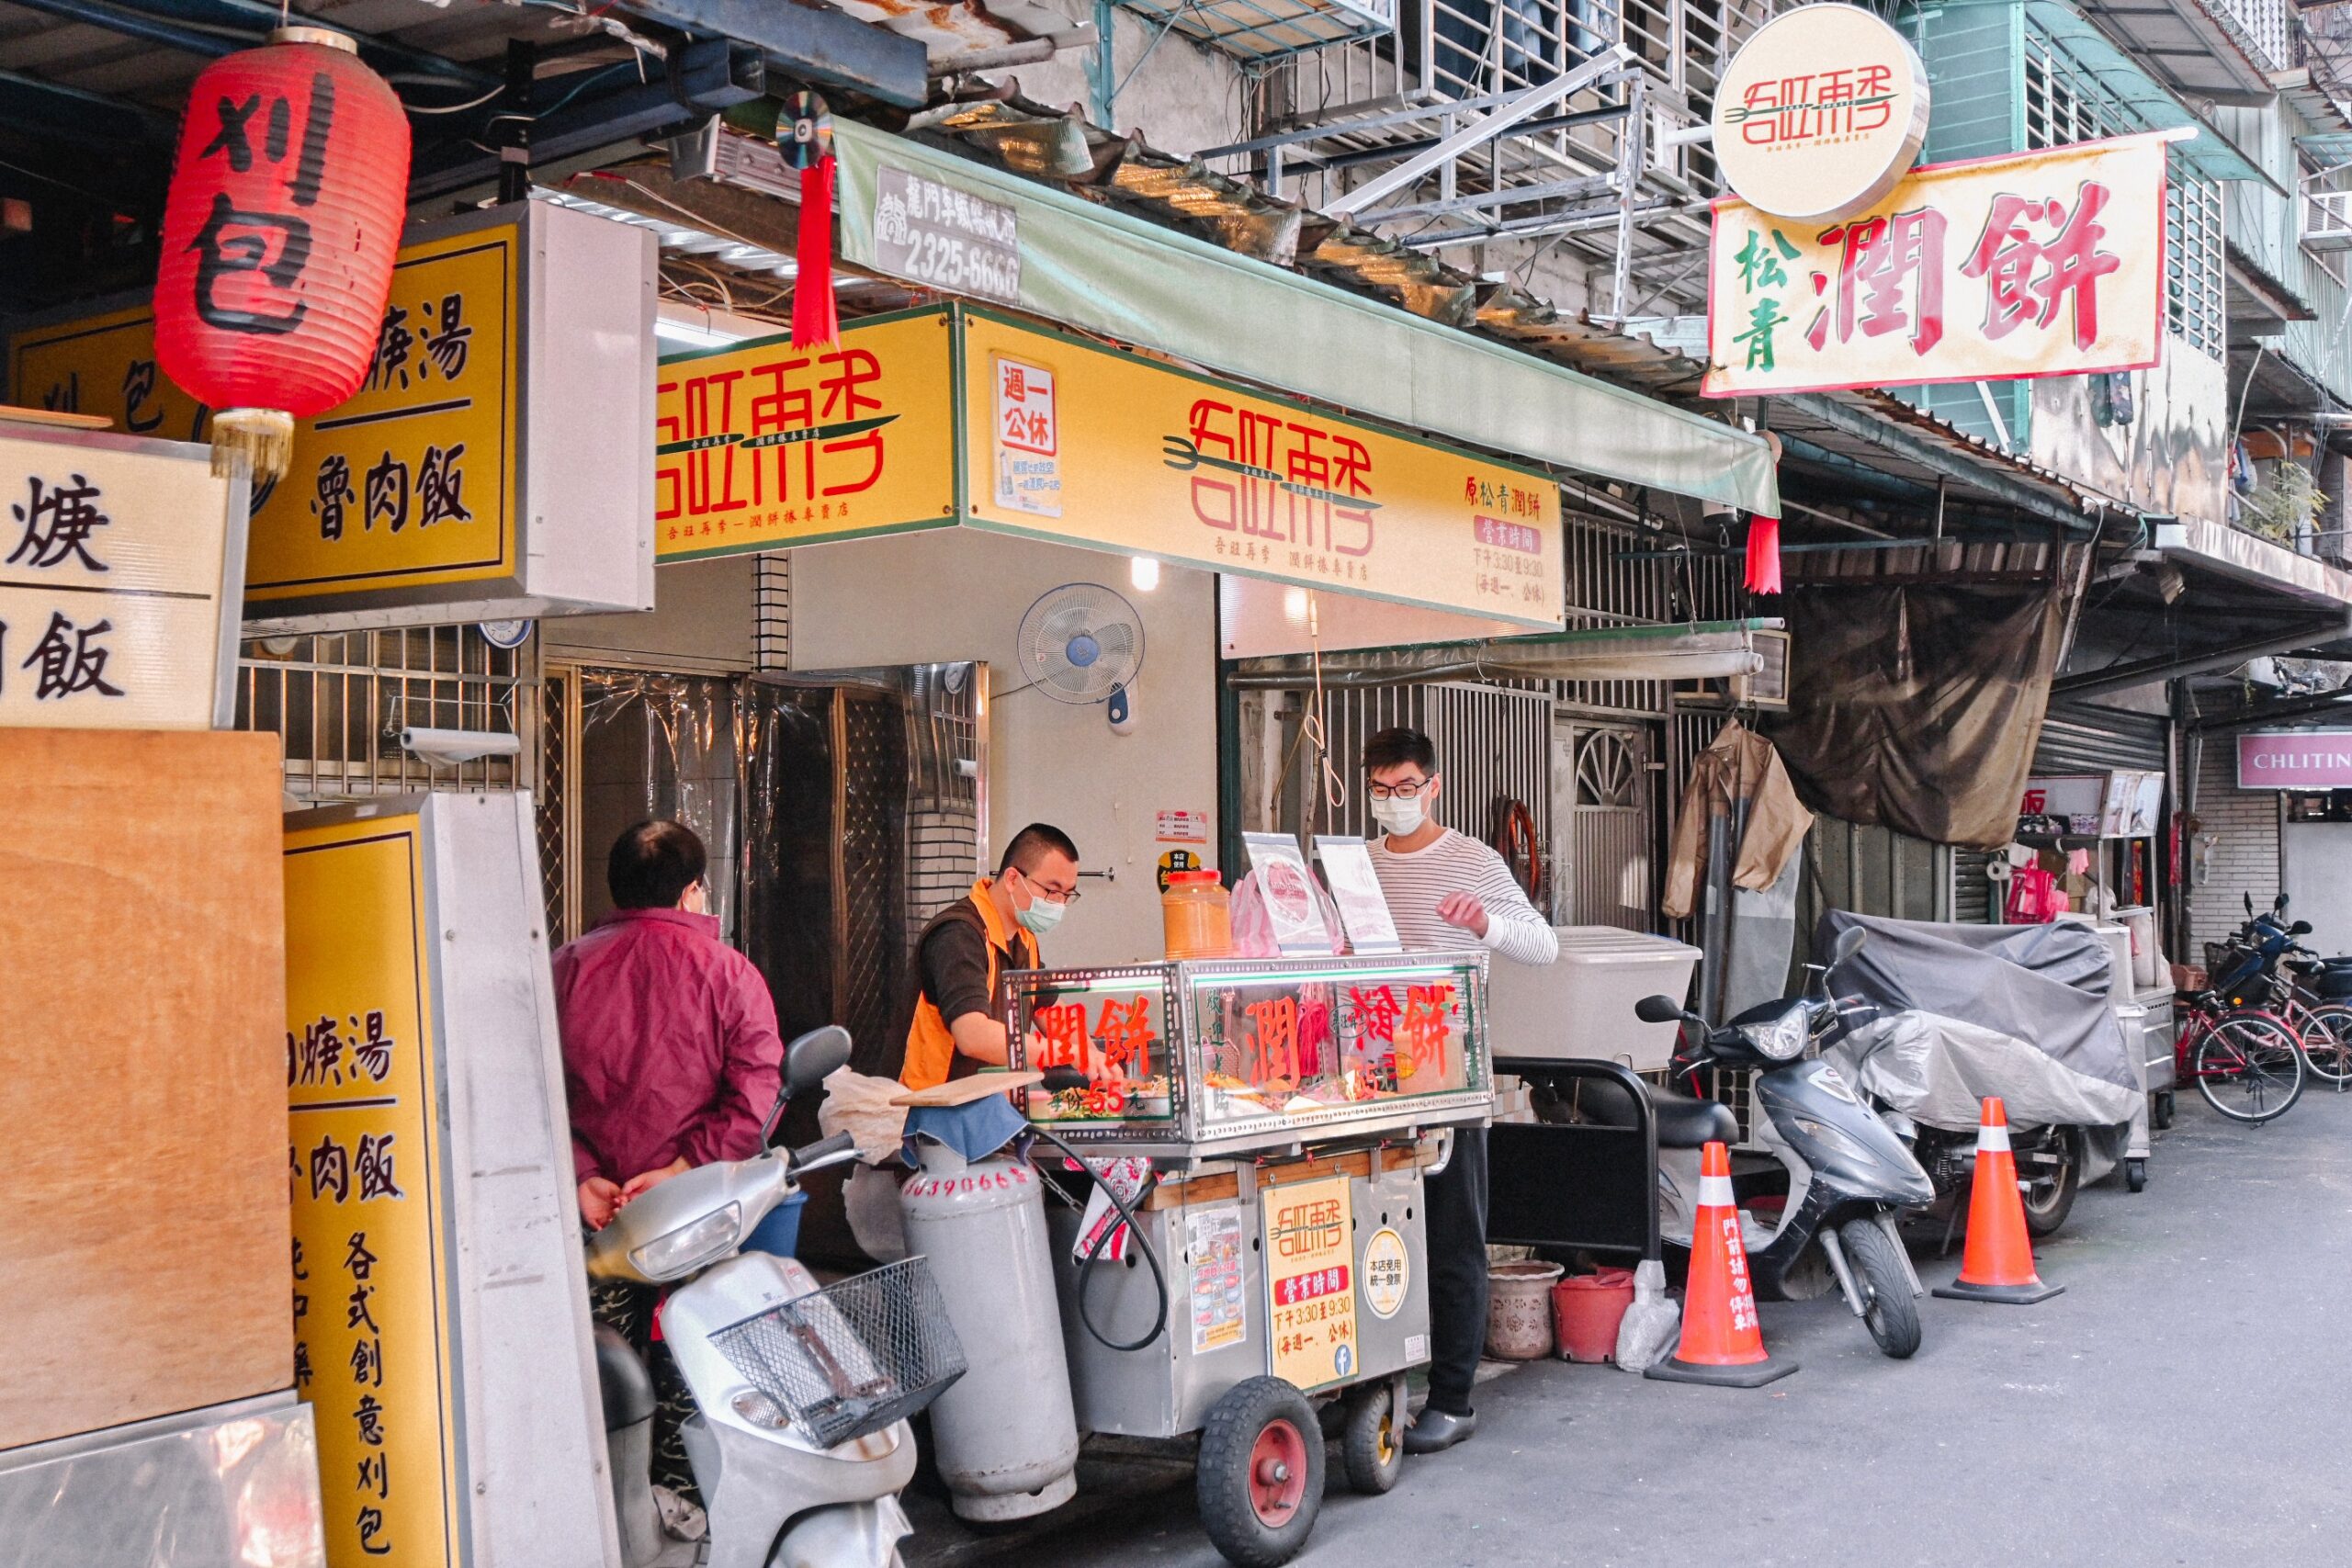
(1969, 1011)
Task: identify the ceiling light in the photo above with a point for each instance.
(1144, 572)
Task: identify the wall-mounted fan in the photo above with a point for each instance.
(1083, 643)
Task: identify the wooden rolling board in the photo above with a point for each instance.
(144, 1245)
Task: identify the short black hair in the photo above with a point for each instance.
(1392, 747)
(1033, 844)
(653, 863)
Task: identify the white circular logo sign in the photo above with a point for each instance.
(1386, 1272)
(1820, 114)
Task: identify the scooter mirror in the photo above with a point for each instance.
(814, 1058)
(1658, 1009)
(2300, 928)
(2249, 904)
(1850, 943)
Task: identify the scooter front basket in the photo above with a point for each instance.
(852, 1358)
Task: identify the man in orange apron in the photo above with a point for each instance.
(955, 1031)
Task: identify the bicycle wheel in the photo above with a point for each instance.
(2327, 1041)
(2249, 1066)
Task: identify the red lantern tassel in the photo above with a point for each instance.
(815, 320)
(1763, 555)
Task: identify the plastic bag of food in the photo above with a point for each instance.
(860, 1107)
(1253, 927)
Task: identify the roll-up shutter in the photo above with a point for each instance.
(2084, 737)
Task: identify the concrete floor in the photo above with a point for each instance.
(2183, 1403)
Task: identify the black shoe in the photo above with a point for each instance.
(1434, 1431)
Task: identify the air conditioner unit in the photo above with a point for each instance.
(1765, 688)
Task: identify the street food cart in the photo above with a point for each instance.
(1277, 1116)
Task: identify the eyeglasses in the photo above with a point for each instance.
(1409, 790)
(1043, 891)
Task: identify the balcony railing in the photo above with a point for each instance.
(2266, 27)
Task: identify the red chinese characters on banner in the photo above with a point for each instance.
(1805, 109)
(2030, 278)
(1271, 1059)
(1427, 1026)
(1277, 478)
(787, 431)
(1124, 1034)
(2049, 263)
(1062, 1029)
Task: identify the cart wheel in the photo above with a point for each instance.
(1372, 1448)
(2135, 1174)
(1261, 1472)
(2162, 1118)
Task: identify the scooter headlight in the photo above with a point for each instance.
(1781, 1040)
(689, 1247)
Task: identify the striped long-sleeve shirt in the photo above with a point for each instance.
(1415, 884)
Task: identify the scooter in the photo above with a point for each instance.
(1847, 1174)
(799, 1442)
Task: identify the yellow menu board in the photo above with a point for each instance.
(1310, 1283)
(371, 1268)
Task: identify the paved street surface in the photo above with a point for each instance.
(2183, 1403)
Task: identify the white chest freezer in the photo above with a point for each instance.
(1583, 1004)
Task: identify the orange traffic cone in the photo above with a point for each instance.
(1999, 1264)
(1721, 1342)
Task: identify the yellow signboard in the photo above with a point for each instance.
(1310, 1281)
(117, 575)
(956, 415)
(2044, 264)
(763, 446)
(373, 1351)
(409, 483)
(1093, 445)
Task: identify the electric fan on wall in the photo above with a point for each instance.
(1083, 643)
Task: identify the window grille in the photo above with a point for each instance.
(2063, 106)
(338, 702)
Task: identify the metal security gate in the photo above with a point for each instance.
(1605, 868)
(1494, 746)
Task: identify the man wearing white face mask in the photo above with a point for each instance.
(1447, 890)
(952, 1028)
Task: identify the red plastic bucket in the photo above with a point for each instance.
(1587, 1310)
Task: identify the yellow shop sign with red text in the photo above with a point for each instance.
(958, 416)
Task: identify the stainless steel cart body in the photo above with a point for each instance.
(1287, 1108)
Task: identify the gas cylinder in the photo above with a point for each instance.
(1005, 1435)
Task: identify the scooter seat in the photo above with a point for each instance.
(1686, 1123)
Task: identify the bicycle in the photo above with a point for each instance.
(2264, 953)
(2248, 1063)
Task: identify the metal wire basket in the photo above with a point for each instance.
(852, 1358)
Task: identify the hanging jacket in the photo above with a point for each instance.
(1740, 766)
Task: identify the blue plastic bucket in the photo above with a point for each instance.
(779, 1234)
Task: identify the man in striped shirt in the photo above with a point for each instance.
(1447, 890)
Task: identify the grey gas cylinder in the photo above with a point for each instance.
(1005, 1434)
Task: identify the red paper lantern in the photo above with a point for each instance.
(284, 214)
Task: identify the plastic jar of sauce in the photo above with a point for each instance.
(1195, 916)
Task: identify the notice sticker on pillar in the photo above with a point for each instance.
(1028, 439)
(949, 238)
(1184, 827)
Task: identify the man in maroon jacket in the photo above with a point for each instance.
(671, 1057)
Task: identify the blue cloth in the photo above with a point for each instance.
(976, 1128)
(778, 1235)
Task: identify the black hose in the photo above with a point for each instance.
(1086, 1264)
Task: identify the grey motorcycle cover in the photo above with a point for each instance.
(1968, 1011)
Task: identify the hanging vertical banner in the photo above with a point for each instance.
(374, 1350)
(2044, 264)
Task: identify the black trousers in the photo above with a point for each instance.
(1454, 1201)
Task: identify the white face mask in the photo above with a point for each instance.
(1402, 817)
